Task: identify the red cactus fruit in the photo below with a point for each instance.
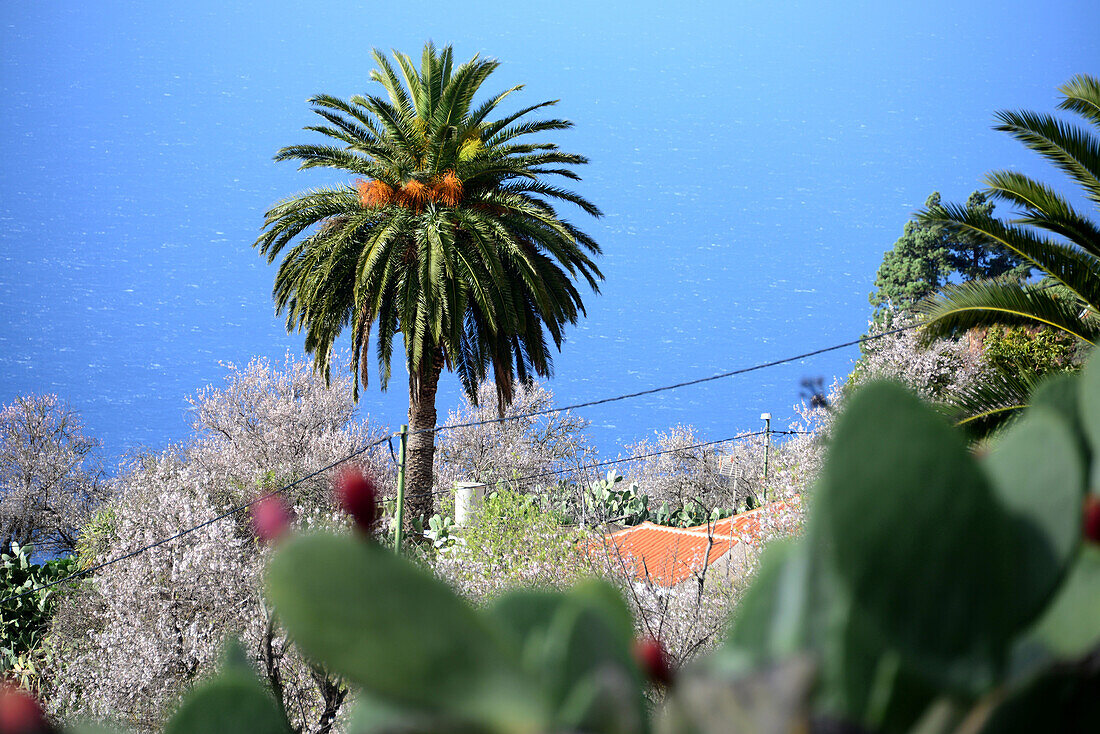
(20, 712)
(357, 494)
(653, 660)
(1092, 518)
(271, 518)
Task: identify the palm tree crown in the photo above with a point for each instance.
(447, 234)
(1049, 234)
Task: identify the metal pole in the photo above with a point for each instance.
(399, 517)
(767, 445)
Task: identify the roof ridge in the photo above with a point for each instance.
(693, 532)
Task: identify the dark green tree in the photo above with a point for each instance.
(928, 256)
(969, 258)
(914, 268)
(449, 238)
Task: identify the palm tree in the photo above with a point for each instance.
(1049, 234)
(448, 236)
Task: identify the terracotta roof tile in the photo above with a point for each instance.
(668, 556)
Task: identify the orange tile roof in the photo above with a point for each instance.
(664, 555)
(668, 556)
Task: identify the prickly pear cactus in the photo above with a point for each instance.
(935, 588)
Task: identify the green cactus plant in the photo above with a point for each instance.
(441, 531)
(630, 506)
(627, 506)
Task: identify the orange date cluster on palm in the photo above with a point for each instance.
(413, 194)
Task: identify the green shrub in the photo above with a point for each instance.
(1016, 349)
(512, 542)
(23, 620)
(96, 537)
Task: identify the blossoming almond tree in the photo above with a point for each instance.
(49, 481)
(137, 634)
(521, 446)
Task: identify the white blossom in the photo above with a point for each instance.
(49, 480)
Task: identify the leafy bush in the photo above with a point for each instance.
(1015, 349)
(513, 542)
(96, 537)
(23, 620)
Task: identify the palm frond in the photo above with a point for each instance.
(323, 156)
(989, 406)
(387, 77)
(1069, 259)
(1070, 148)
(349, 132)
(1082, 95)
(1077, 269)
(978, 304)
(1045, 208)
(493, 128)
(477, 116)
(527, 128)
(412, 80)
(555, 192)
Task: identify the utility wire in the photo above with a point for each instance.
(723, 375)
(636, 457)
(651, 391)
(77, 574)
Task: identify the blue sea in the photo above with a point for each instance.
(754, 161)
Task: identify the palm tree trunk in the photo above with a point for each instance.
(420, 454)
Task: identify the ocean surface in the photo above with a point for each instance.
(754, 161)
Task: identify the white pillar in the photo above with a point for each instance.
(468, 497)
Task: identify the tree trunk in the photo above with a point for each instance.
(332, 693)
(420, 453)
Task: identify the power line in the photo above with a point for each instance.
(78, 574)
(636, 457)
(651, 391)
